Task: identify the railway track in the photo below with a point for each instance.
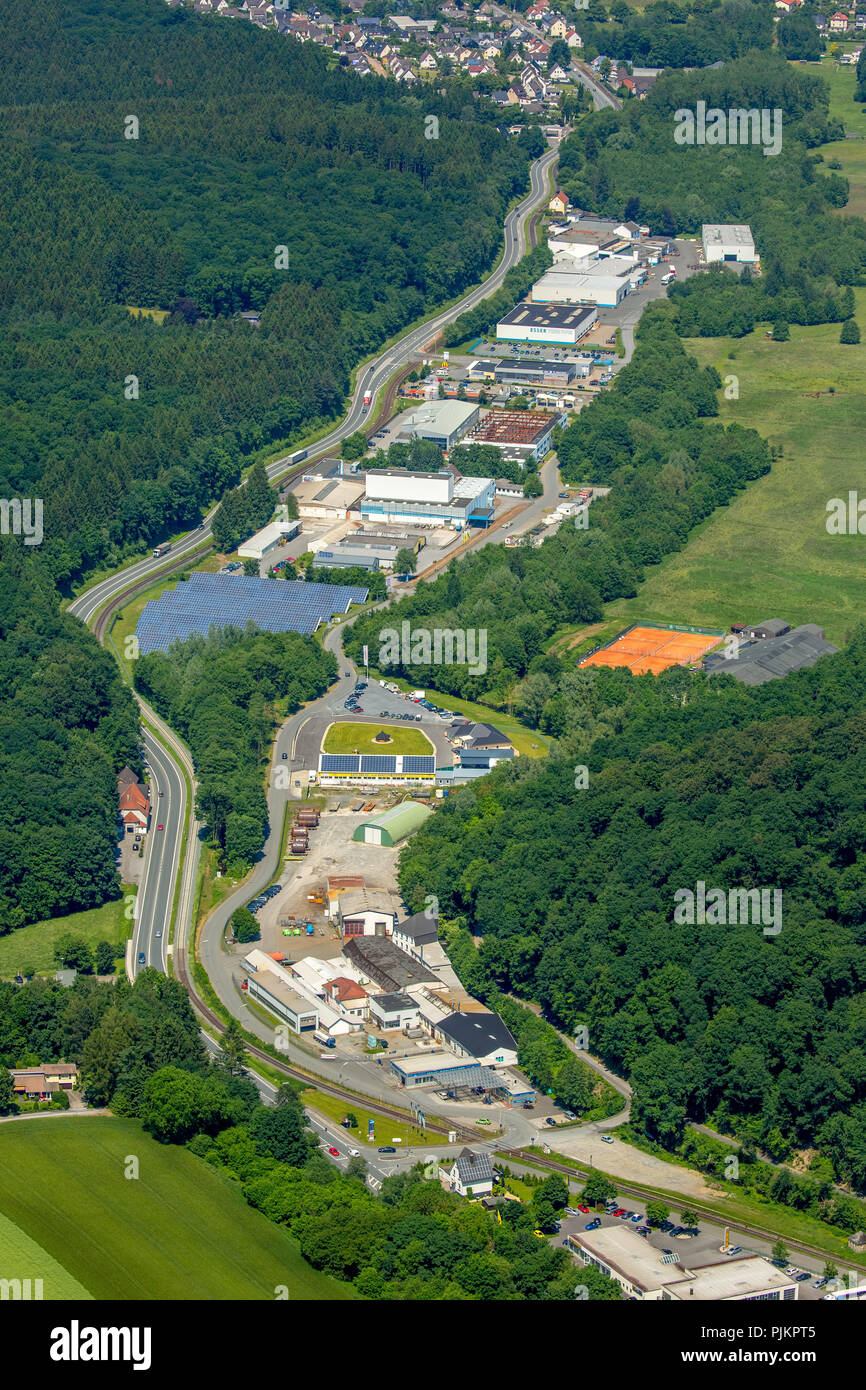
(553, 1165)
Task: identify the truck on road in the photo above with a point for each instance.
(324, 1039)
(161, 550)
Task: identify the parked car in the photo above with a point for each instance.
(593, 1225)
(618, 1211)
(606, 1139)
(569, 1116)
(583, 1210)
(637, 1218)
(550, 1121)
(804, 1275)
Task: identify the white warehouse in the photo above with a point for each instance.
(269, 538)
(396, 495)
(727, 242)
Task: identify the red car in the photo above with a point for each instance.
(584, 1210)
(335, 1153)
(159, 827)
(620, 1211)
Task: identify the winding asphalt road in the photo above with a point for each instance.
(169, 762)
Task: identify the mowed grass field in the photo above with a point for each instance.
(347, 737)
(33, 947)
(769, 554)
(179, 1231)
(851, 154)
(22, 1258)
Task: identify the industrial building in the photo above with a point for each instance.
(371, 769)
(392, 826)
(376, 958)
(482, 1036)
(604, 282)
(333, 499)
(269, 538)
(510, 370)
(265, 985)
(561, 324)
(434, 499)
(342, 557)
(366, 912)
(441, 422)
(524, 434)
(727, 241)
(643, 1272)
(768, 658)
(393, 1012)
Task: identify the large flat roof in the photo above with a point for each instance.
(445, 416)
(736, 233)
(549, 315)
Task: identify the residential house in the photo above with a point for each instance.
(559, 28)
(414, 933)
(44, 1081)
(427, 62)
(558, 203)
(133, 802)
(348, 995)
(839, 23)
(860, 21)
(470, 1174)
(558, 74)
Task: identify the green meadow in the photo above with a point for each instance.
(179, 1230)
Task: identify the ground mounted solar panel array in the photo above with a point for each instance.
(214, 600)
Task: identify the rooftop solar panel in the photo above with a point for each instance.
(378, 762)
(339, 762)
(417, 763)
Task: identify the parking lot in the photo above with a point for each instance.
(700, 1246)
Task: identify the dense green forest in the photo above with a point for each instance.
(669, 465)
(627, 164)
(67, 726)
(571, 881)
(221, 693)
(667, 35)
(140, 1051)
(261, 176)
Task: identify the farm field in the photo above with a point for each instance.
(180, 1231)
(22, 1258)
(32, 947)
(349, 737)
(769, 554)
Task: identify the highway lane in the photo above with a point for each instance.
(163, 855)
(162, 858)
(372, 377)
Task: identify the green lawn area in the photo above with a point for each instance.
(22, 1258)
(33, 946)
(850, 153)
(179, 1231)
(385, 1130)
(350, 738)
(769, 554)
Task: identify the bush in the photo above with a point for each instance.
(850, 332)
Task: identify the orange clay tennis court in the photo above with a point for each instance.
(654, 649)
